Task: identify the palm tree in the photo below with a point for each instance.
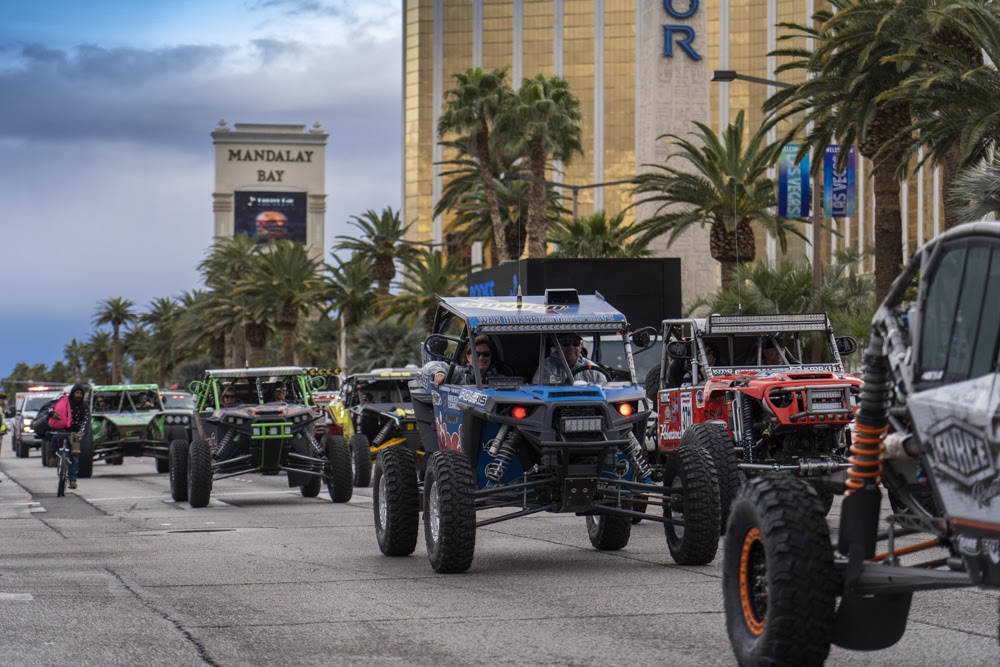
(228, 261)
(117, 312)
(349, 291)
(161, 317)
(285, 281)
(195, 332)
(543, 121)
(471, 108)
(96, 356)
(384, 344)
(74, 353)
(976, 192)
(728, 187)
(954, 97)
(464, 196)
(597, 236)
(423, 280)
(382, 242)
(847, 73)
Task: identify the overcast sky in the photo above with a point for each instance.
(107, 168)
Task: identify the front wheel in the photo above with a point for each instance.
(608, 533)
(63, 475)
(396, 501)
(179, 470)
(199, 473)
(85, 469)
(714, 438)
(692, 506)
(163, 465)
(778, 578)
(311, 488)
(20, 448)
(337, 471)
(449, 512)
(362, 459)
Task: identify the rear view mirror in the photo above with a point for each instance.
(644, 338)
(846, 345)
(679, 349)
(436, 346)
(9, 412)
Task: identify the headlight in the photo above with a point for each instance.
(256, 430)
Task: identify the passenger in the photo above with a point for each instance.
(228, 397)
(552, 370)
(367, 397)
(142, 403)
(279, 393)
(464, 374)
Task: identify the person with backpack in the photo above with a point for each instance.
(69, 420)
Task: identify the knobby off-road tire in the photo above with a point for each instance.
(715, 439)
(608, 533)
(85, 467)
(179, 470)
(449, 512)
(825, 495)
(163, 465)
(362, 458)
(311, 488)
(396, 501)
(778, 579)
(652, 384)
(199, 473)
(338, 472)
(692, 496)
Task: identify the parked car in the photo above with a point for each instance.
(258, 432)
(926, 430)
(510, 442)
(22, 435)
(763, 393)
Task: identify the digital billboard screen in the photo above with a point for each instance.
(271, 215)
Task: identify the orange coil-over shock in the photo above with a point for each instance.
(866, 456)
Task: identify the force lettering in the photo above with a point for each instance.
(269, 155)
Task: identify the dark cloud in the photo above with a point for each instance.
(123, 66)
(272, 50)
(340, 10)
(39, 54)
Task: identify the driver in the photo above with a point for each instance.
(552, 370)
(464, 374)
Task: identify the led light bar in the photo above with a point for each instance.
(582, 424)
(717, 324)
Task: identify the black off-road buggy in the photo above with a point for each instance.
(381, 415)
(257, 434)
(928, 431)
(507, 446)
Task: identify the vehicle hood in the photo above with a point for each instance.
(761, 379)
(126, 419)
(273, 411)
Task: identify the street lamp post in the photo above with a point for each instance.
(727, 75)
(512, 176)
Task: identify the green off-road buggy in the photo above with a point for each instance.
(242, 425)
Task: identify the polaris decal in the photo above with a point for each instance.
(470, 397)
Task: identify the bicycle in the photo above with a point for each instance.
(69, 445)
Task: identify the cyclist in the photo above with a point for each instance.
(80, 417)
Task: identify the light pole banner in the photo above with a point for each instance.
(793, 184)
(839, 188)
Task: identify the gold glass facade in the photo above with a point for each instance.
(737, 35)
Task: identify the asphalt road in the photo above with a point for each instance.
(116, 573)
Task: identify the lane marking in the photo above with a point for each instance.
(17, 597)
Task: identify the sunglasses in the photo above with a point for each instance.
(570, 343)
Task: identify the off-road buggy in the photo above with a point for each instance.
(253, 433)
(327, 397)
(926, 430)
(130, 420)
(507, 446)
(763, 393)
(381, 415)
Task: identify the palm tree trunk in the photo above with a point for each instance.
(486, 172)
(161, 372)
(288, 345)
(888, 228)
(728, 272)
(218, 350)
(536, 200)
(342, 352)
(256, 336)
(950, 166)
(116, 358)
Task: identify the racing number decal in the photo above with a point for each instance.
(669, 420)
(687, 413)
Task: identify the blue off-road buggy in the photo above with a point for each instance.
(505, 446)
